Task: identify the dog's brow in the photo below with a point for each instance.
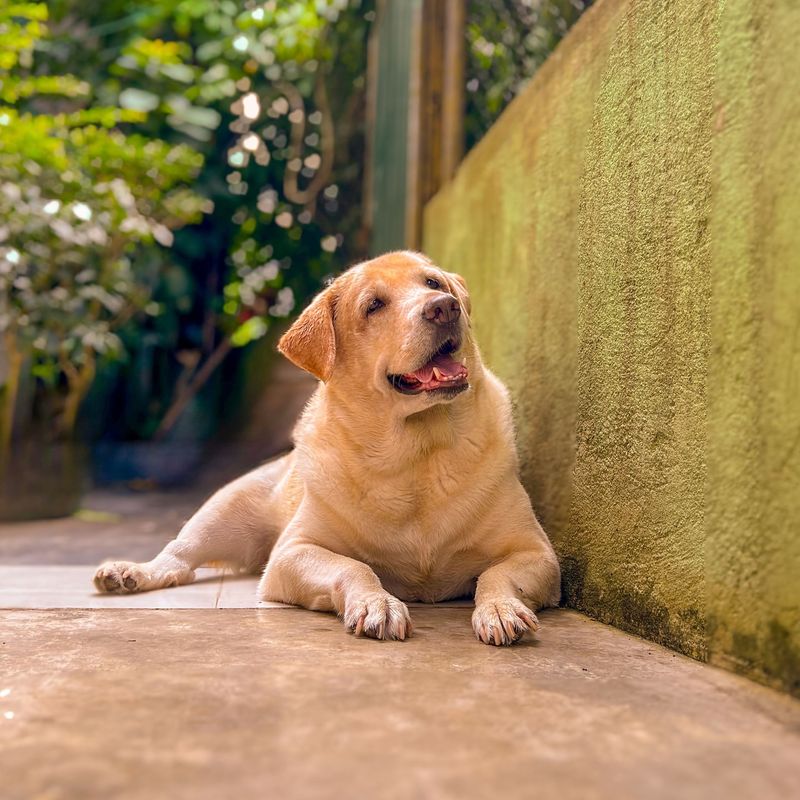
(378, 289)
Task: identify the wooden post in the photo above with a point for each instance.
(453, 96)
(416, 129)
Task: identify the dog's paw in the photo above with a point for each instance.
(379, 616)
(503, 621)
(126, 577)
(121, 577)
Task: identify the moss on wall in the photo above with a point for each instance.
(630, 230)
(752, 548)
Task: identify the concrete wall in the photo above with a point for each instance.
(630, 231)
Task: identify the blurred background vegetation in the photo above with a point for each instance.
(176, 178)
(507, 41)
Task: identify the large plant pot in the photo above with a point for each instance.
(41, 480)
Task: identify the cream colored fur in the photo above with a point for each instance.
(387, 497)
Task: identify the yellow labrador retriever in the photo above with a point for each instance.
(403, 484)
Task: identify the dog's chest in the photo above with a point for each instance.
(419, 494)
(420, 567)
(418, 525)
(422, 540)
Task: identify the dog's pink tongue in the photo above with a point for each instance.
(446, 367)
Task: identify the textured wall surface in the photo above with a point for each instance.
(630, 231)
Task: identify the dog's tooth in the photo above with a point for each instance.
(437, 374)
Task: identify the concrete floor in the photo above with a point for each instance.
(198, 693)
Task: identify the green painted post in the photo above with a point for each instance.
(389, 174)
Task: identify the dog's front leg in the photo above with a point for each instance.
(316, 578)
(232, 527)
(508, 593)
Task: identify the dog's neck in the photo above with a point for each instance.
(392, 436)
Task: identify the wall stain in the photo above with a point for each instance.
(634, 610)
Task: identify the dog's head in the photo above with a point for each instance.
(396, 325)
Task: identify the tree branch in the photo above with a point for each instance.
(291, 190)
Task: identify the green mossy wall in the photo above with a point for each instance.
(630, 231)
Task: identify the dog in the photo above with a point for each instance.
(403, 483)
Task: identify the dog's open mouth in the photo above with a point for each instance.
(440, 373)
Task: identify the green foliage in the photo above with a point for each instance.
(123, 125)
(507, 41)
(79, 201)
(270, 95)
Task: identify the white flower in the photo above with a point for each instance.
(82, 211)
(251, 107)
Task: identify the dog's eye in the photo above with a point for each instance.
(374, 306)
(433, 283)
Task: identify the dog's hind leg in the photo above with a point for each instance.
(237, 527)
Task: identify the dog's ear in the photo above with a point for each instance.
(311, 341)
(460, 290)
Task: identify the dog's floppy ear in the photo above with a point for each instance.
(461, 291)
(311, 341)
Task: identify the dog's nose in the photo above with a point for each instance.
(442, 309)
